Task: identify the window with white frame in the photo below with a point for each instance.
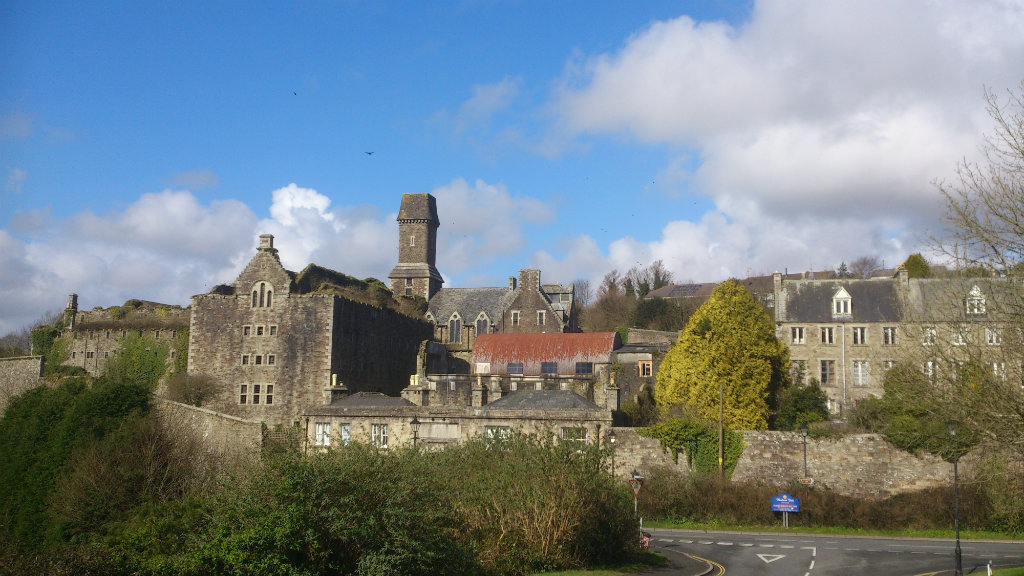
(497, 432)
(860, 335)
(540, 317)
(833, 406)
(860, 372)
(998, 370)
(828, 335)
(928, 338)
(515, 317)
(515, 368)
(322, 434)
(930, 369)
(796, 335)
(346, 433)
(993, 337)
(828, 372)
(379, 435)
(259, 330)
(257, 393)
(841, 303)
(975, 302)
(246, 330)
(888, 365)
(243, 394)
(889, 335)
(959, 339)
(574, 434)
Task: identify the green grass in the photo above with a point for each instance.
(1009, 572)
(964, 534)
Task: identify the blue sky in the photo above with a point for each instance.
(144, 146)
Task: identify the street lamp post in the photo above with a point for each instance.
(803, 431)
(611, 440)
(958, 568)
(415, 425)
(721, 430)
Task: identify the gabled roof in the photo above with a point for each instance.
(469, 302)
(542, 400)
(526, 348)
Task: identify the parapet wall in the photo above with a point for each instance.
(18, 375)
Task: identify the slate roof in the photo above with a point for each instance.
(527, 348)
(542, 400)
(683, 291)
(872, 300)
(419, 207)
(469, 302)
(944, 299)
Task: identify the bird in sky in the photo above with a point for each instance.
(369, 153)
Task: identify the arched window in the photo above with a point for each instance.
(262, 295)
(481, 326)
(455, 330)
(255, 298)
(270, 298)
(263, 288)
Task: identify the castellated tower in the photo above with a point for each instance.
(416, 273)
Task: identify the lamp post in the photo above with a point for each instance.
(803, 431)
(415, 425)
(958, 568)
(721, 429)
(611, 440)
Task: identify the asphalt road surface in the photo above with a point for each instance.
(771, 554)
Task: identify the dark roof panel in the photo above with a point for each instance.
(542, 400)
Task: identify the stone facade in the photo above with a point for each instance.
(272, 346)
(18, 375)
(416, 272)
(221, 434)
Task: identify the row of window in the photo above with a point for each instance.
(322, 434)
(256, 394)
(260, 330)
(860, 370)
(551, 368)
(258, 359)
(827, 335)
(106, 354)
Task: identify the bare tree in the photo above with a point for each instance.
(583, 292)
(865, 266)
(985, 214)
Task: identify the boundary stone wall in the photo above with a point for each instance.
(18, 375)
(222, 434)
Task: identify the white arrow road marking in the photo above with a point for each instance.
(769, 558)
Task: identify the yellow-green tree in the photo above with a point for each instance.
(729, 348)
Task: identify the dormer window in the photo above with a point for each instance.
(975, 302)
(841, 303)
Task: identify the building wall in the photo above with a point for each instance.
(221, 434)
(18, 375)
(527, 303)
(90, 348)
(461, 390)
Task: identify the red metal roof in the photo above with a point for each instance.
(527, 348)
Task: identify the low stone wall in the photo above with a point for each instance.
(222, 434)
(861, 465)
(18, 375)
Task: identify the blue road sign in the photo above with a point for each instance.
(785, 503)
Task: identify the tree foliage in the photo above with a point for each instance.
(141, 360)
(729, 348)
(699, 442)
(801, 404)
(917, 266)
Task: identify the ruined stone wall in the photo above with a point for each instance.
(90, 348)
(18, 375)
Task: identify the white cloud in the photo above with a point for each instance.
(482, 222)
(819, 125)
(487, 100)
(16, 179)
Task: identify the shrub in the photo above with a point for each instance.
(699, 441)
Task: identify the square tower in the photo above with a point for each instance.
(416, 273)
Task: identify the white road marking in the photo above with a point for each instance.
(769, 558)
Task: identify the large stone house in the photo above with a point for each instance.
(847, 333)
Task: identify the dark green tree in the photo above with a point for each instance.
(799, 404)
(917, 266)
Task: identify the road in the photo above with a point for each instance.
(772, 554)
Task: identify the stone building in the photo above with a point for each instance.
(274, 340)
(847, 333)
(94, 336)
(525, 305)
